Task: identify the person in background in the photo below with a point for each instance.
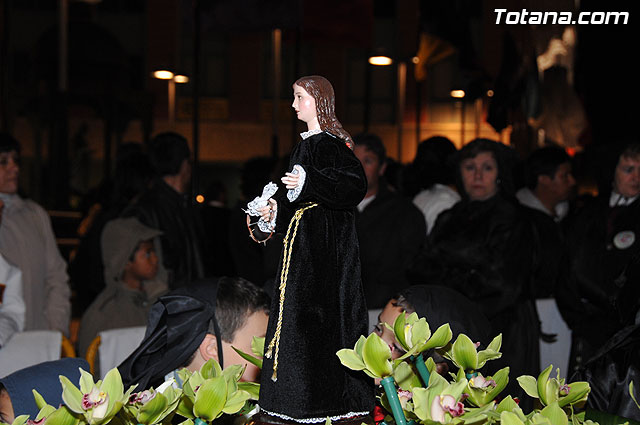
(191, 325)
(391, 230)
(601, 294)
(12, 307)
(27, 241)
(435, 177)
(480, 248)
(131, 266)
(166, 206)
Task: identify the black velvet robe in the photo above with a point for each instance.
(324, 309)
(483, 249)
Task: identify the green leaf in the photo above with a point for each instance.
(377, 356)
(529, 384)
(350, 359)
(257, 346)
(62, 416)
(464, 353)
(45, 411)
(235, 402)
(509, 418)
(39, 399)
(71, 395)
(420, 332)
(86, 381)
(440, 337)
(507, 405)
(398, 329)
(501, 379)
(421, 405)
(555, 414)
(211, 369)
(542, 384)
(185, 408)
(405, 378)
(633, 396)
(151, 412)
(252, 388)
(256, 361)
(210, 399)
(578, 393)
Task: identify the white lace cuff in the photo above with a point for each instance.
(262, 201)
(292, 194)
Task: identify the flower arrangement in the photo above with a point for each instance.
(205, 395)
(414, 393)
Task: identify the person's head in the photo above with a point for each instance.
(371, 152)
(9, 163)
(439, 305)
(132, 174)
(482, 170)
(314, 101)
(548, 172)
(626, 180)
(128, 253)
(433, 161)
(193, 324)
(242, 312)
(170, 156)
(16, 397)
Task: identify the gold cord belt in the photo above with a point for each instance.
(286, 261)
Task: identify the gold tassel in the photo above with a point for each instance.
(288, 249)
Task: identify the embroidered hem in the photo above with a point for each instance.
(292, 194)
(315, 420)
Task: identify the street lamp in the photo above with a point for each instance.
(172, 79)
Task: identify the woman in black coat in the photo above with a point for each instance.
(480, 248)
(601, 294)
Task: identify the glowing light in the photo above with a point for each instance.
(163, 74)
(181, 79)
(380, 60)
(459, 94)
(571, 151)
(415, 59)
(489, 93)
(199, 199)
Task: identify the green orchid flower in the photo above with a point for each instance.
(153, 406)
(96, 402)
(257, 347)
(463, 353)
(440, 402)
(483, 390)
(18, 420)
(371, 355)
(554, 390)
(211, 392)
(414, 334)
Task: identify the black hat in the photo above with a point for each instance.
(177, 325)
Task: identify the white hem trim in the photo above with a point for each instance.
(307, 134)
(315, 420)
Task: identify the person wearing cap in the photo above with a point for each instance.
(193, 324)
(130, 269)
(16, 397)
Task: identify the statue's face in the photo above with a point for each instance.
(304, 104)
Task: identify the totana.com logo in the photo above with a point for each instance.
(524, 17)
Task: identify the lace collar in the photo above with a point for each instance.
(310, 133)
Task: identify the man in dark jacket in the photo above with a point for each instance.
(391, 229)
(166, 206)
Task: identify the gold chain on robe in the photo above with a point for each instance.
(286, 261)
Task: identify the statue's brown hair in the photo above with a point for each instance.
(322, 92)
